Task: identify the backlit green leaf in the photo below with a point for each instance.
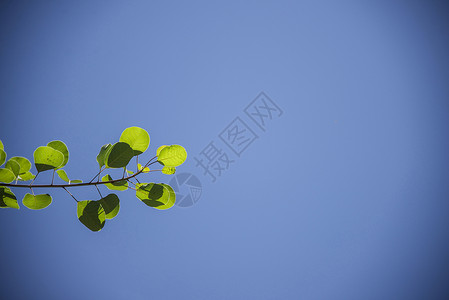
(91, 214)
(36, 202)
(100, 157)
(47, 158)
(2, 157)
(26, 176)
(171, 198)
(153, 194)
(119, 155)
(168, 170)
(160, 149)
(6, 175)
(7, 198)
(172, 156)
(111, 205)
(63, 175)
(61, 147)
(1, 145)
(25, 164)
(121, 185)
(13, 166)
(137, 138)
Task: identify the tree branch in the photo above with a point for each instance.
(75, 184)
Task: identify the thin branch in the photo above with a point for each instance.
(70, 185)
(34, 179)
(70, 194)
(99, 191)
(98, 174)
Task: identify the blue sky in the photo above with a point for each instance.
(344, 196)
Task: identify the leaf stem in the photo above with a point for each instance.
(33, 179)
(99, 191)
(98, 174)
(70, 194)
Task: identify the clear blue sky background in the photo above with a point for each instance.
(345, 196)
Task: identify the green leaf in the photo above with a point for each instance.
(63, 175)
(2, 157)
(160, 149)
(154, 195)
(26, 176)
(47, 158)
(121, 185)
(137, 138)
(168, 170)
(25, 164)
(100, 157)
(91, 214)
(171, 198)
(36, 202)
(118, 155)
(7, 198)
(6, 175)
(111, 205)
(1, 145)
(13, 166)
(172, 156)
(61, 147)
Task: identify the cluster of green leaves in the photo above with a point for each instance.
(133, 142)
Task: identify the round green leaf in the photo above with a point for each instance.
(26, 176)
(63, 175)
(168, 170)
(137, 138)
(91, 214)
(121, 185)
(2, 157)
(25, 164)
(118, 155)
(153, 194)
(7, 198)
(1, 145)
(172, 156)
(111, 205)
(100, 157)
(47, 158)
(36, 202)
(171, 198)
(61, 147)
(6, 175)
(13, 166)
(160, 149)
